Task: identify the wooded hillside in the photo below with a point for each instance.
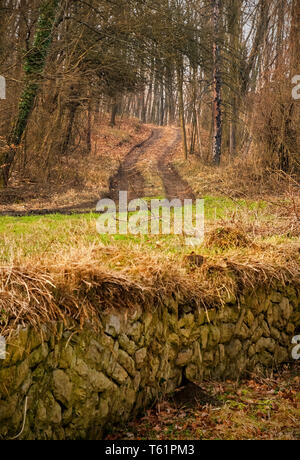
(223, 69)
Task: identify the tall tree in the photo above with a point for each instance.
(234, 29)
(217, 84)
(295, 37)
(33, 68)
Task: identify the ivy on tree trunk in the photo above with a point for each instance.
(33, 67)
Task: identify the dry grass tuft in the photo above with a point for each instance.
(36, 296)
(227, 237)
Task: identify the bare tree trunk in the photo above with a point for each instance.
(114, 111)
(69, 129)
(234, 26)
(89, 128)
(181, 109)
(295, 36)
(162, 105)
(217, 87)
(288, 135)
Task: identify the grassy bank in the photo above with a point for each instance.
(54, 267)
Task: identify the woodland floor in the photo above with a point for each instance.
(260, 408)
(77, 182)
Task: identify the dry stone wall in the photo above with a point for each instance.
(66, 382)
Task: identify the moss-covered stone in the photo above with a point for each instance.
(233, 348)
(113, 325)
(140, 357)
(227, 332)
(204, 333)
(127, 362)
(38, 355)
(62, 387)
(127, 345)
(184, 358)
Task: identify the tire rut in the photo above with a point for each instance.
(128, 177)
(175, 187)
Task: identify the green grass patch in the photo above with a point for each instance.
(25, 236)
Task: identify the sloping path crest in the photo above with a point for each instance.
(130, 178)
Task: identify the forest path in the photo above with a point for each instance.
(155, 153)
(129, 177)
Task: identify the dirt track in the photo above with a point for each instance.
(160, 147)
(174, 185)
(128, 177)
